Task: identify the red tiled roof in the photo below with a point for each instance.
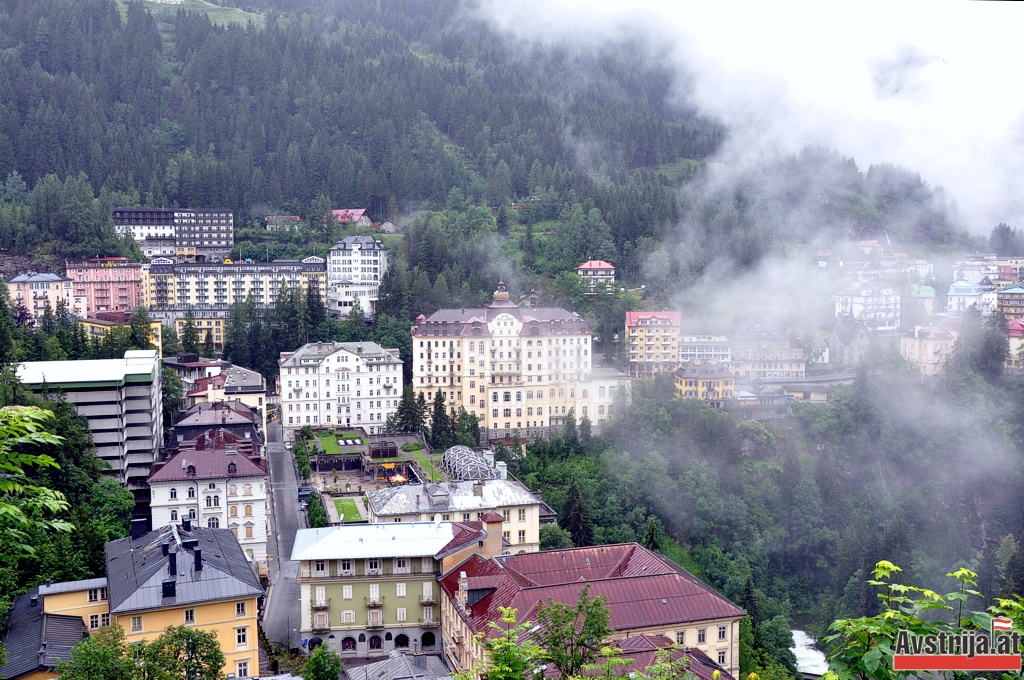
(463, 533)
(207, 464)
(491, 517)
(633, 318)
(641, 649)
(596, 264)
(1015, 328)
(640, 587)
(348, 214)
(217, 438)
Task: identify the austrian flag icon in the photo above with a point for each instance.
(1002, 625)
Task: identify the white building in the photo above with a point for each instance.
(874, 304)
(218, 489)
(339, 384)
(355, 267)
(123, 404)
(705, 348)
(962, 295)
(594, 272)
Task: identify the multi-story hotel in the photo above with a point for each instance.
(368, 589)
(210, 289)
(708, 381)
(705, 348)
(355, 267)
(514, 368)
(653, 342)
(188, 235)
(366, 389)
(218, 489)
(123, 403)
(874, 304)
(107, 284)
(764, 351)
(37, 291)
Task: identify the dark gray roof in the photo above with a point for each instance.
(399, 666)
(364, 243)
(71, 586)
(36, 641)
(136, 569)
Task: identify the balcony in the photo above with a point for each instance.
(429, 623)
(428, 599)
(374, 602)
(374, 625)
(320, 604)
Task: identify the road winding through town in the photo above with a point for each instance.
(281, 615)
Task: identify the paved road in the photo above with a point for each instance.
(281, 618)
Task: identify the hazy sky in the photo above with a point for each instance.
(932, 86)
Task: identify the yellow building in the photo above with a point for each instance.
(36, 291)
(708, 381)
(515, 368)
(653, 339)
(927, 349)
(98, 328)
(185, 575)
(209, 289)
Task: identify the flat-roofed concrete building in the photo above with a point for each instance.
(123, 403)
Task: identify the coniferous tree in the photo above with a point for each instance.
(569, 435)
(139, 332)
(208, 346)
(575, 518)
(652, 534)
(440, 424)
(316, 313)
(190, 333)
(585, 432)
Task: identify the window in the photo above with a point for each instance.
(522, 514)
(681, 637)
(373, 566)
(94, 622)
(401, 565)
(400, 589)
(505, 535)
(233, 511)
(400, 614)
(248, 531)
(213, 523)
(507, 515)
(522, 536)
(173, 493)
(721, 658)
(702, 636)
(346, 592)
(97, 594)
(721, 632)
(239, 609)
(346, 566)
(174, 515)
(241, 638)
(136, 624)
(190, 616)
(320, 567)
(191, 492)
(348, 616)
(248, 511)
(243, 669)
(427, 565)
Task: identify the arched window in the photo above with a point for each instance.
(600, 391)
(191, 492)
(401, 641)
(529, 394)
(362, 637)
(209, 501)
(211, 485)
(519, 396)
(233, 490)
(213, 523)
(584, 394)
(216, 501)
(247, 490)
(348, 644)
(428, 639)
(506, 396)
(611, 391)
(529, 411)
(192, 513)
(173, 493)
(387, 637)
(529, 343)
(233, 511)
(191, 470)
(174, 515)
(494, 397)
(376, 642)
(248, 511)
(519, 413)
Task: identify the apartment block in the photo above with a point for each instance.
(928, 348)
(366, 389)
(37, 291)
(709, 381)
(355, 267)
(368, 589)
(874, 304)
(653, 339)
(198, 235)
(518, 369)
(217, 488)
(210, 289)
(705, 348)
(107, 284)
(766, 351)
(122, 401)
(186, 575)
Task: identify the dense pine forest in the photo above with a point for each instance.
(517, 161)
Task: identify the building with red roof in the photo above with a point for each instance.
(645, 593)
(641, 653)
(594, 272)
(217, 488)
(354, 216)
(653, 339)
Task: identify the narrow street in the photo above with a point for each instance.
(281, 617)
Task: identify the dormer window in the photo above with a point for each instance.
(232, 468)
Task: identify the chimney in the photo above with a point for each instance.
(168, 588)
(172, 562)
(138, 528)
(165, 547)
(502, 468)
(186, 522)
(478, 489)
(33, 601)
(199, 558)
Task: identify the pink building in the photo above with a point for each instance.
(107, 284)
